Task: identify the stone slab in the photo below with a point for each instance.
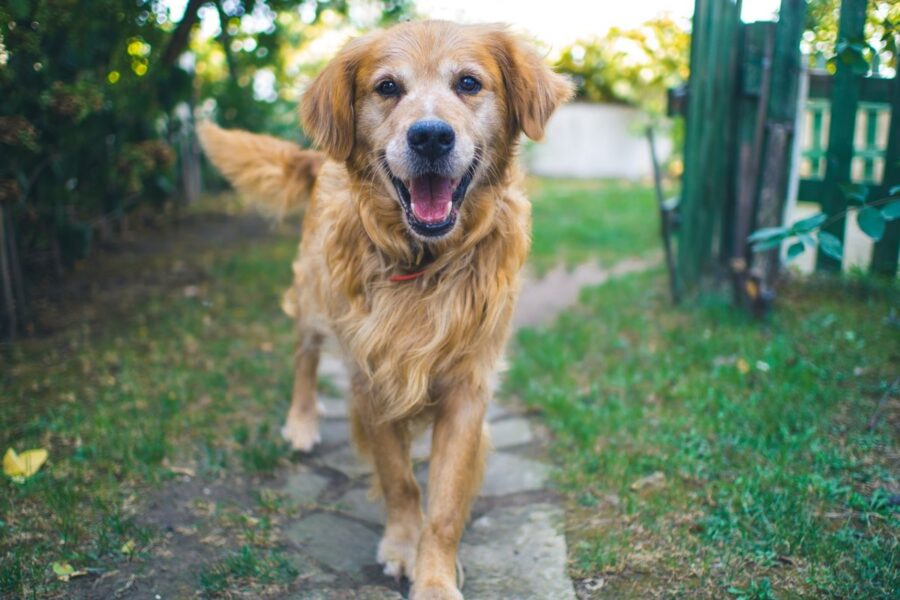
(336, 542)
(510, 474)
(347, 462)
(356, 502)
(517, 553)
(304, 486)
(511, 432)
(366, 592)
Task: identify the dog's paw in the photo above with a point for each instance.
(397, 556)
(435, 592)
(301, 434)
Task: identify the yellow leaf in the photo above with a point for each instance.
(742, 366)
(23, 466)
(128, 547)
(64, 571)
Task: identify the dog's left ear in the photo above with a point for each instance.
(533, 90)
(326, 110)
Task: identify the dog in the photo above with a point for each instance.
(415, 230)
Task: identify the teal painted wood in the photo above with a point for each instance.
(844, 99)
(884, 255)
(779, 133)
(708, 184)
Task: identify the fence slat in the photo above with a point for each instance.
(844, 100)
(884, 256)
(710, 135)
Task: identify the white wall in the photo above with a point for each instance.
(595, 140)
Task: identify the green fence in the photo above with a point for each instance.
(741, 121)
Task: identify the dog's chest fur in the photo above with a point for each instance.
(411, 336)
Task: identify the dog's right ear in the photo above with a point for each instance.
(326, 110)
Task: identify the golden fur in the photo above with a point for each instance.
(420, 351)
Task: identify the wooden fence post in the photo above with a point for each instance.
(782, 112)
(884, 256)
(708, 183)
(844, 101)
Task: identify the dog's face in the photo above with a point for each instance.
(431, 110)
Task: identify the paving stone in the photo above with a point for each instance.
(511, 432)
(309, 573)
(304, 486)
(356, 502)
(497, 410)
(517, 553)
(347, 462)
(334, 431)
(510, 474)
(366, 592)
(335, 408)
(336, 542)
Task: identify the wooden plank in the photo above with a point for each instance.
(871, 89)
(884, 255)
(758, 49)
(708, 182)
(782, 113)
(844, 100)
(811, 190)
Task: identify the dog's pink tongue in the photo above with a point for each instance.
(431, 198)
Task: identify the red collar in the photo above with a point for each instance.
(407, 277)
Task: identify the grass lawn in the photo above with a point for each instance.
(195, 377)
(705, 455)
(577, 220)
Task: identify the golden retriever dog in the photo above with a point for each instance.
(414, 235)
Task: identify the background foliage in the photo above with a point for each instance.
(96, 99)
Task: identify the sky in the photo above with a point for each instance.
(555, 22)
(560, 22)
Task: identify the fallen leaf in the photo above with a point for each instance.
(742, 366)
(64, 571)
(22, 466)
(653, 480)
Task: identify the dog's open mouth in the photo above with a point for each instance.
(431, 201)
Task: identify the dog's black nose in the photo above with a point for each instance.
(431, 139)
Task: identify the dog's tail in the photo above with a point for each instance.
(277, 176)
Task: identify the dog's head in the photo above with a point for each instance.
(430, 111)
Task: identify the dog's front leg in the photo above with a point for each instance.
(458, 451)
(388, 444)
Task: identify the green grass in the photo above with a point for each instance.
(576, 221)
(200, 381)
(246, 566)
(770, 485)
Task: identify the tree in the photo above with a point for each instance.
(93, 95)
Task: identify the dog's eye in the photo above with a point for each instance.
(468, 85)
(388, 88)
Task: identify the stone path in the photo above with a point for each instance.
(513, 548)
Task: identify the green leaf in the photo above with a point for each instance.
(795, 250)
(891, 211)
(62, 568)
(767, 233)
(831, 245)
(855, 192)
(809, 223)
(871, 222)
